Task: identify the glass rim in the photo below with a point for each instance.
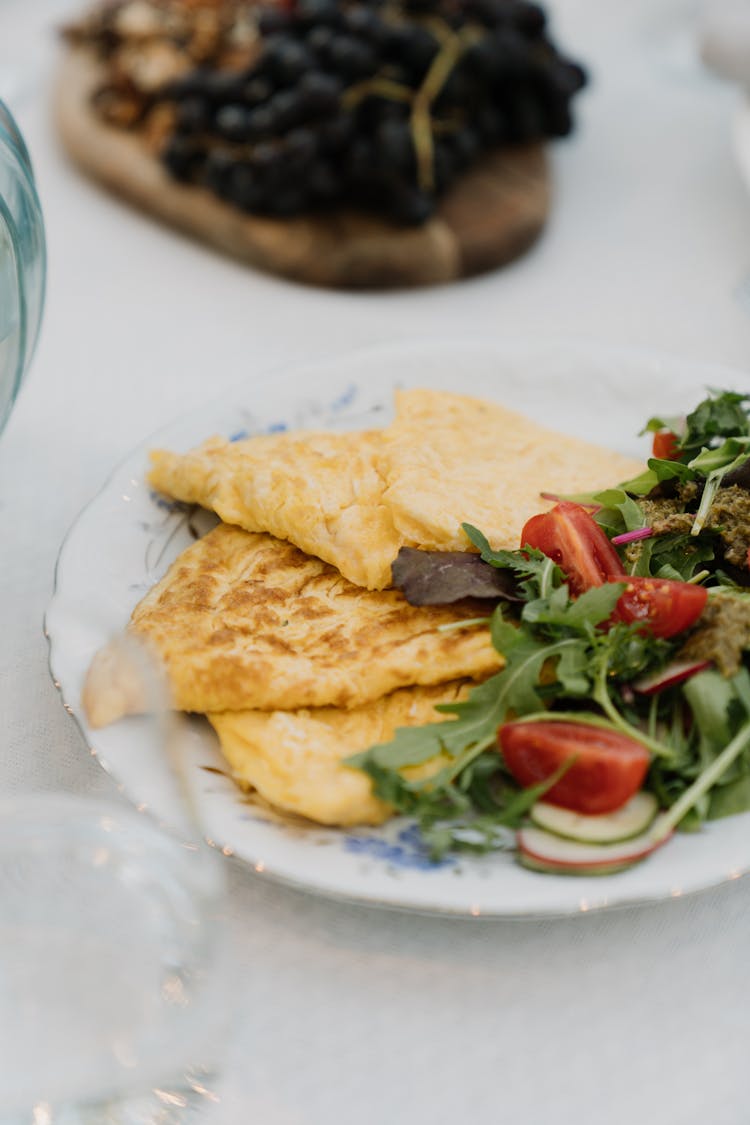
(29, 254)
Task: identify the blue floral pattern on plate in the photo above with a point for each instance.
(407, 850)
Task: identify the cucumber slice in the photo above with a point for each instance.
(542, 851)
(608, 828)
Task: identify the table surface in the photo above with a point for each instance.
(349, 1013)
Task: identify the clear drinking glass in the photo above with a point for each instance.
(22, 262)
(115, 990)
(113, 978)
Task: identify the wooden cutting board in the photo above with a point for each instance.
(493, 214)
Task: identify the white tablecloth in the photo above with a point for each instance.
(350, 1014)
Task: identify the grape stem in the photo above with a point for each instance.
(453, 47)
(386, 87)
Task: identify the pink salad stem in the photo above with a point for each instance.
(632, 536)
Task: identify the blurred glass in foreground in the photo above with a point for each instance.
(22, 262)
(114, 976)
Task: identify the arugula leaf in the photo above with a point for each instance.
(675, 423)
(741, 684)
(727, 800)
(502, 632)
(618, 513)
(629, 652)
(479, 813)
(732, 452)
(710, 775)
(698, 794)
(536, 574)
(582, 615)
(727, 585)
(482, 780)
(411, 746)
(477, 719)
(520, 677)
(510, 813)
(573, 671)
(722, 415)
(482, 543)
(708, 695)
(658, 470)
(676, 555)
(529, 563)
(711, 487)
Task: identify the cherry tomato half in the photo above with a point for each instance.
(608, 770)
(665, 445)
(572, 538)
(663, 606)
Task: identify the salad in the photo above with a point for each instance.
(622, 712)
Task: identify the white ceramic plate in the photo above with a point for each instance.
(126, 538)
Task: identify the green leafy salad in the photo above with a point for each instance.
(622, 710)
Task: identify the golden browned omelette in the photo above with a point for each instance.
(245, 621)
(450, 459)
(354, 499)
(293, 759)
(321, 491)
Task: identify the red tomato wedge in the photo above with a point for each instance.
(664, 607)
(571, 537)
(608, 770)
(665, 445)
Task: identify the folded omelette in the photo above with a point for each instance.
(294, 760)
(353, 499)
(278, 625)
(246, 621)
(321, 491)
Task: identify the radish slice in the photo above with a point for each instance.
(675, 673)
(624, 823)
(542, 851)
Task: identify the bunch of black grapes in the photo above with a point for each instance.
(376, 105)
